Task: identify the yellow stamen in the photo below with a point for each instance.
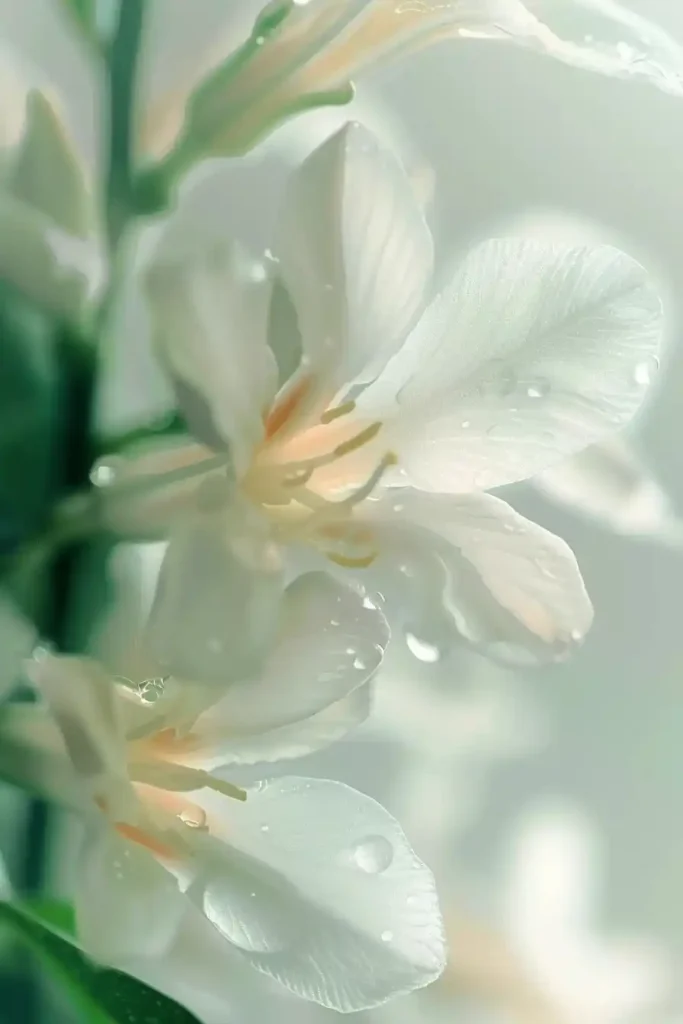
(337, 412)
(352, 563)
(358, 441)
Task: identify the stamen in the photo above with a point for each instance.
(390, 459)
(337, 412)
(298, 478)
(358, 441)
(348, 562)
(224, 787)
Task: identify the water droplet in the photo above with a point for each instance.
(359, 664)
(387, 936)
(194, 817)
(644, 371)
(151, 690)
(538, 389)
(105, 471)
(576, 635)
(373, 854)
(260, 40)
(334, 622)
(368, 603)
(398, 507)
(269, 255)
(466, 424)
(265, 828)
(350, 650)
(422, 649)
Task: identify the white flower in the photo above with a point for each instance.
(47, 222)
(308, 881)
(610, 484)
(303, 55)
(553, 877)
(404, 410)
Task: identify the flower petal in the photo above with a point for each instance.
(209, 323)
(534, 352)
(127, 904)
(296, 740)
(82, 698)
(320, 890)
(33, 755)
(331, 642)
(609, 483)
(216, 609)
(356, 255)
(505, 583)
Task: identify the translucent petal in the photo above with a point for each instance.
(534, 352)
(320, 890)
(329, 644)
(296, 740)
(47, 173)
(33, 755)
(356, 255)
(505, 583)
(217, 606)
(127, 904)
(83, 700)
(610, 484)
(209, 322)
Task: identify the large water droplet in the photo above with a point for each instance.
(538, 388)
(359, 664)
(373, 854)
(105, 471)
(644, 371)
(387, 936)
(422, 649)
(194, 817)
(151, 690)
(247, 916)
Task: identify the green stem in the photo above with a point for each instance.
(122, 66)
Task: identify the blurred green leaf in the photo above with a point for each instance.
(102, 995)
(84, 13)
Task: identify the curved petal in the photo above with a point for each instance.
(331, 642)
(505, 583)
(320, 890)
(127, 904)
(296, 740)
(609, 483)
(82, 698)
(33, 755)
(216, 610)
(209, 322)
(534, 352)
(355, 254)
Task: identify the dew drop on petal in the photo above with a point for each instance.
(265, 828)
(538, 389)
(387, 936)
(105, 471)
(194, 817)
(151, 690)
(422, 649)
(373, 855)
(466, 424)
(645, 371)
(359, 664)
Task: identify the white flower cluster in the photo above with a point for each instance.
(326, 496)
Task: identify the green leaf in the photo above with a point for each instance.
(84, 13)
(103, 996)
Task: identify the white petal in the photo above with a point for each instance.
(356, 255)
(33, 755)
(82, 698)
(609, 483)
(47, 174)
(209, 323)
(331, 642)
(54, 268)
(127, 904)
(217, 605)
(296, 740)
(605, 36)
(534, 352)
(320, 890)
(507, 584)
